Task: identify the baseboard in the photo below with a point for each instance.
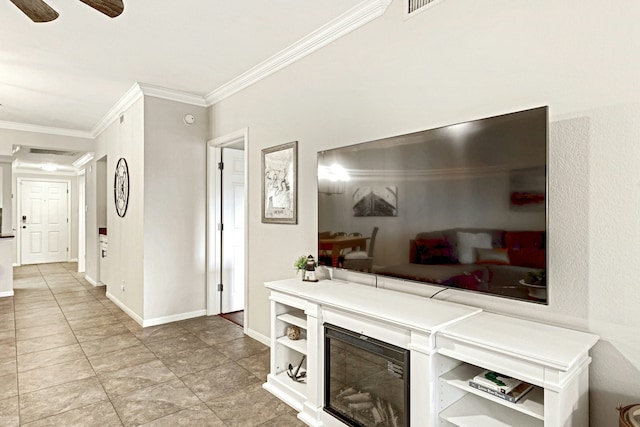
(73, 260)
(173, 318)
(6, 294)
(124, 308)
(258, 336)
(91, 281)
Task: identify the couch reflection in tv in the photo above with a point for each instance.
(500, 262)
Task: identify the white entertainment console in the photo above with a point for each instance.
(449, 344)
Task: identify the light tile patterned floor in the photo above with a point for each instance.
(70, 357)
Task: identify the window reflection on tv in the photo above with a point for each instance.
(461, 206)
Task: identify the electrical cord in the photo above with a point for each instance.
(441, 290)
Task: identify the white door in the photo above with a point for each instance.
(232, 230)
(44, 223)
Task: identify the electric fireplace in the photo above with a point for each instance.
(366, 380)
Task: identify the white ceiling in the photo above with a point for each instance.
(68, 73)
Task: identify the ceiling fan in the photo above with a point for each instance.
(39, 11)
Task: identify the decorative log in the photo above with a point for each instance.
(358, 406)
(358, 397)
(347, 392)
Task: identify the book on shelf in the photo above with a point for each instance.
(513, 396)
(496, 381)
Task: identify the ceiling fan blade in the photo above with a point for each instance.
(36, 10)
(111, 8)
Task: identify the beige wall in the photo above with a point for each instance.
(174, 209)
(125, 235)
(464, 60)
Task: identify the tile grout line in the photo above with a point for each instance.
(83, 352)
(140, 339)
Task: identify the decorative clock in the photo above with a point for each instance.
(121, 187)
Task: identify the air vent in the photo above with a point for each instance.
(52, 152)
(414, 6)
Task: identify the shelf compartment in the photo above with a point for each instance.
(531, 404)
(476, 411)
(300, 388)
(298, 345)
(296, 318)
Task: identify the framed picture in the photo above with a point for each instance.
(279, 184)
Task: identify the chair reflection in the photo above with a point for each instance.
(331, 246)
(361, 260)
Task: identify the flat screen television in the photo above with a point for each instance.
(461, 206)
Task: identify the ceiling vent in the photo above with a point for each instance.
(52, 152)
(415, 6)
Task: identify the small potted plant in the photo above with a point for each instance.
(300, 264)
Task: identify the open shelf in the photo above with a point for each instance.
(300, 388)
(531, 404)
(298, 345)
(297, 318)
(476, 411)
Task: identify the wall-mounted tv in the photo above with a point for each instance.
(461, 206)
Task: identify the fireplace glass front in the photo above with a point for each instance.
(366, 380)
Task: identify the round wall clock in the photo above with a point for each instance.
(121, 187)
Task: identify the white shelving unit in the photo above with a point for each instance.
(555, 360)
(449, 345)
(288, 310)
(531, 404)
(476, 411)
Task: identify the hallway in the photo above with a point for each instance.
(70, 357)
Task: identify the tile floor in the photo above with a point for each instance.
(70, 357)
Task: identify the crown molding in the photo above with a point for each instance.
(137, 91)
(25, 127)
(351, 20)
(127, 100)
(173, 95)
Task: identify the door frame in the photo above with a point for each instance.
(82, 220)
(214, 241)
(18, 222)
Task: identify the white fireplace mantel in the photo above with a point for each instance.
(449, 343)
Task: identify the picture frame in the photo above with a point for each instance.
(279, 184)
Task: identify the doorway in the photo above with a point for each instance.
(226, 225)
(44, 221)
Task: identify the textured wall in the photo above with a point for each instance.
(463, 60)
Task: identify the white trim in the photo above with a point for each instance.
(173, 318)
(213, 219)
(82, 222)
(25, 127)
(139, 90)
(172, 95)
(124, 308)
(258, 336)
(156, 321)
(91, 281)
(349, 21)
(21, 169)
(127, 100)
(6, 294)
(83, 160)
(73, 259)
